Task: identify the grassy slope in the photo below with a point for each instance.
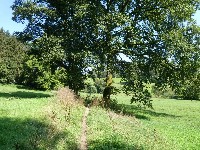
(27, 121)
(176, 120)
(173, 124)
(114, 131)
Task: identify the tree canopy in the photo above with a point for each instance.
(12, 55)
(159, 37)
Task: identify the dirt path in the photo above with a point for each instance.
(83, 142)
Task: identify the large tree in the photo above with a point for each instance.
(159, 38)
(12, 55)
(65, 21)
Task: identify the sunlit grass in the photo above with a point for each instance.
(35, 120)
(176, 120)
(172, 124)
(108, 130)
(28, 121)
(183, 128)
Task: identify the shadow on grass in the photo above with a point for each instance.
(30, 134)
(24, 94)
(138, 112)
(107, 144)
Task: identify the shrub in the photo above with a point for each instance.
(99, 84)
(40, 76)
(190, 89)
(89, 88)
(95, 86)
(90, 101)
(92, 89)
(162, 92)
(66, 96)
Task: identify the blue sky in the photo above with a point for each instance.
(7, 23)
(6, 17)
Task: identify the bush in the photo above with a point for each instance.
(92, 89)
(190, 90)
(89, 88)
(66, 96)
(98, 101)
(99, 84)
(67, 100)
(40, 76)
(162, 92)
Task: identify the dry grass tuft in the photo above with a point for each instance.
(64, 114)
(66, 97)
(62, 107)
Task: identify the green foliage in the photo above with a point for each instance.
(91, 100)
(55, 35)
(95, 85)
(12, 55)
(165, 92)
(90, 89)
(41, 70)
(99, 84)
(143, 98)
(38, 75)
(190, 89)
(160, 38)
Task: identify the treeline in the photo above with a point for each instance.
(70, 41)
(35, 67)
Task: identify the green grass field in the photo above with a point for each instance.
(34, 120)
(172, 124)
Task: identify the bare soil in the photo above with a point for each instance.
(83, 141)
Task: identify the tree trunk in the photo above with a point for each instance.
(108, 89)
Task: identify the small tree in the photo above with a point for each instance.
(41, 69)
(190, 90)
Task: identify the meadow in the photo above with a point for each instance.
(36, 120)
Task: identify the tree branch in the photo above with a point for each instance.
(124, 5)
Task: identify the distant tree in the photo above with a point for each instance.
(12, 55)
(95, 33)
(190, 89)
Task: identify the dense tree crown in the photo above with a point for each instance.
(159, 37)
(12, 55)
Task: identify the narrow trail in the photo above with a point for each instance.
(83, 142)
